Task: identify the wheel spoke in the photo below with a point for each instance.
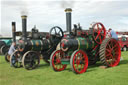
(81, 66)
(112, 52)
(108, 50)
(101, 29)
(114, 46)
(109, 47)
(15, 59)
(101, 32)
(59, 32)
(56, 61)
(100, 38)
(55, 31)
(79, 63)
(97, 36)
(117, 53)
(31, 60)
(98, 27)
(108, 54)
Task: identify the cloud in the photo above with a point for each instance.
(46, 14)
(19, 5)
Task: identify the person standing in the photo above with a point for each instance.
(112, 33)
(11, 51)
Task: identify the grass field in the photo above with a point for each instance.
(44, 75)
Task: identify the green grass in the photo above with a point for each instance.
(44, 75)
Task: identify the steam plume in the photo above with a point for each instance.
(20, 6)
(67, 4)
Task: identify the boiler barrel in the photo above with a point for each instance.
(78, 43)
(85, 44)
(35, 45)
(38, 45)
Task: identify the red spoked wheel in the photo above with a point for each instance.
(55, 60)
(79, 61)
(99, 32)
(110, 52)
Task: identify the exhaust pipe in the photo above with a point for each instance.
(68, 19)
(24, 27)
(14, 32)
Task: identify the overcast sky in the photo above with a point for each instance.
(46, 14)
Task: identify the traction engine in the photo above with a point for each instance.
(31, 47)
(81, 48)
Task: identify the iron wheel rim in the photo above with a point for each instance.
(80, 59)
(56, 60)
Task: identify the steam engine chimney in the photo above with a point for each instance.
(24, 27)
(68, 19)
(14, 31)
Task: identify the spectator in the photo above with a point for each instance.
(11, 50)
(112, 33)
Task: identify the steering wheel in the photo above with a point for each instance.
(99, 32)
(56, 33)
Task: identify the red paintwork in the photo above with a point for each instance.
(56, 61)
(120, 35)
(95, 47)
(98, 28)
(65, 35)
(77, 59)
(112, 53)
(123, 43)
(62, 44)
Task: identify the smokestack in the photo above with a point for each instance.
(68, 19)
(14, 31)
(24, 27)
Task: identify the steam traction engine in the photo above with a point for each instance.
(80, 48)
(30, 48)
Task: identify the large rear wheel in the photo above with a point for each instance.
(110, 52)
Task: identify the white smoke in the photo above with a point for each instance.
(67, 3)
(18, 5)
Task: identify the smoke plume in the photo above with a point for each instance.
(67, 4)
(18, 5)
